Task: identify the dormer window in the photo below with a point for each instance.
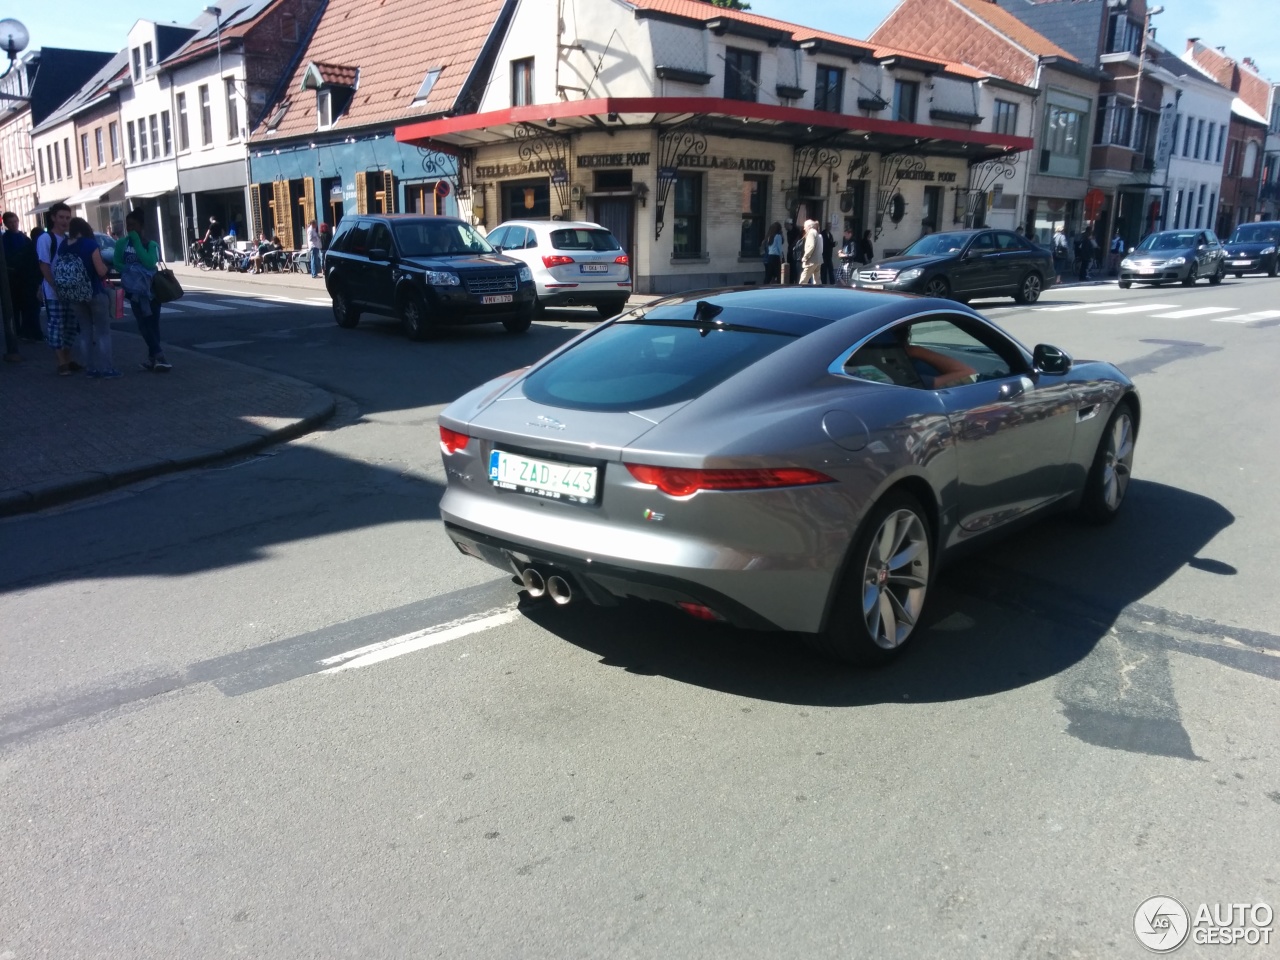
(334, 86)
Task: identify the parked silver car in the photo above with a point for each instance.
(574, 263)
(1175, 255)
(781, 458)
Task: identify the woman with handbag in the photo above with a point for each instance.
(136, 259)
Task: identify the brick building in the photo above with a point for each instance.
(980, 33)
(1246, 145)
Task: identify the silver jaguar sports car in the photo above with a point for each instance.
(780, 458)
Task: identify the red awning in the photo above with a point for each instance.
(729, 118)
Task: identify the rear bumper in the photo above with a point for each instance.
(595, 295)
(602, 583)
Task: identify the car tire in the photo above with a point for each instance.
(413, 317)
(346, 315)
(520, 323)
(874, 597)
(539, 308)
(1218, 277)
(937, 287)
(1030, 288)
(1125, 284)
(1192, 276)
(1108, 479)
(1240, 276)
(1275, 267)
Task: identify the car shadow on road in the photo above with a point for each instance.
(1024, 609)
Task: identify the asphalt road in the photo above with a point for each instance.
(267, 710)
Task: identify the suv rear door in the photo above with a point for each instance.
(594, 252)
(379, 274)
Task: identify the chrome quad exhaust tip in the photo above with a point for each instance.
(559, 590)
(534, 585)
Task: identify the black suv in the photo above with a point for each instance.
(428, 271)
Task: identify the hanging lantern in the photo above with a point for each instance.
(528, 198)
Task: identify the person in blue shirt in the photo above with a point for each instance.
(94, 314)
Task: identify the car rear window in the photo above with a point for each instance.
(581, 239)
(639, 365)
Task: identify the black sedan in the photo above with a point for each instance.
(962, 264)
(1253, 249)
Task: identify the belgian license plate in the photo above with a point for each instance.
(1146, 270)
(555, 481)
(1239, 263)
(595, 267)
(872, 286)
(496, 298)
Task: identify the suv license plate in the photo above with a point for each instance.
(595, 268)
(1239, 263)
(496, 298)
(555, 481)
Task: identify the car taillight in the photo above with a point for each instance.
(624, 260)
(451, 441)
(556, 260)
(682, 481)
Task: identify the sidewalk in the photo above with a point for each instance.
(68, 437)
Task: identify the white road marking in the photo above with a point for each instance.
(274, 298)
(1135, 308)
(1196, 312)
(219, 344)
(246, 303)
(1078, 306)
(1250, 317)
(419, 640)
(211, 307)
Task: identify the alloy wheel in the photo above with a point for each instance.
(937, 287)
(1117, 464)
(895, 578)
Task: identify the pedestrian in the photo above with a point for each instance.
(24, 279)
(1086, 252)
(136, 258)
(1117, 251)
(326, 235)
(828, 255)
(313, 248)
(1060, 249)
(865, 250)
(62, 328)
(773, 244)
(795, 249)
(811, 261)
(93, 309)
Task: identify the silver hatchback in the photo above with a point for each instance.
(574, 263)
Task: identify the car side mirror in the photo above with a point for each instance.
(379, 255)
(1050, 359)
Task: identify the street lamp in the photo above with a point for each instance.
(14, 39)
(217, 29)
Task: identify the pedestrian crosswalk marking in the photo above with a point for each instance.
(1134, 308)
(1078, 306)
(1195, 312)
(252, 304)
(1249, 317)
(197, 305)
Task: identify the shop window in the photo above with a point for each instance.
(755, 199)
(828, 93)
(687, 230)
(522, 82)
(906, 97)
(526, 200)
(741, 74)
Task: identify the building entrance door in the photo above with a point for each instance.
(617, 215)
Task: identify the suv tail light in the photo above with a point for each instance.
(556, 260)
(451, 441)
(624, 260)
(683, 481)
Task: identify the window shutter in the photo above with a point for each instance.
(308, 199)
(284, 214)
(362, 193)
(388, 192)
(255, 212)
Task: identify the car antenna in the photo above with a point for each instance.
(705, 313)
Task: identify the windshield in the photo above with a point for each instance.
(1180, 240)
(430, 238)
(937, 244)
(1256, 233)
(647, 364)
(580, 239)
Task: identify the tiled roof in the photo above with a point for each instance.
(1253, 90)
(393, 44)
(1013, 28)
(237, 22)
(704, 12)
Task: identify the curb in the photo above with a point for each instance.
(77, 486)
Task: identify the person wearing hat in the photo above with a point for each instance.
(811, 264)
